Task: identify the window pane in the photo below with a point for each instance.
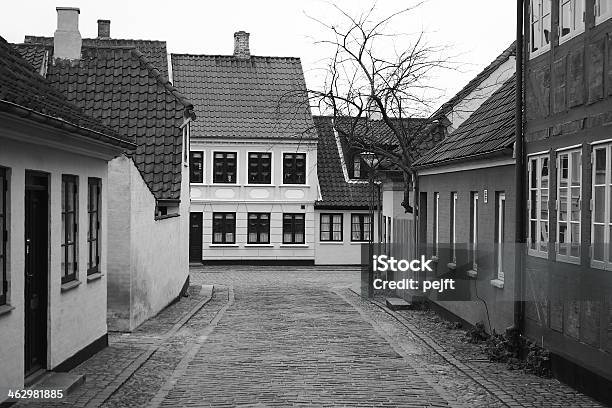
(534, 204)
(600, 166)
(566, 18)
(563, 238)
(563, 204)
(598, 242)
(599, 212)
(543, 235)
(533, 235)
(575, 204)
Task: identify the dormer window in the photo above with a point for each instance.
(540, 26)
(360, 168)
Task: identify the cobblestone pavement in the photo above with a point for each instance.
(299, 336)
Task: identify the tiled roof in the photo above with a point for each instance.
(336, 192)
(120, 87)
(155, 51)
(259, 97)
(23, 92)
(477, 80)
(488, 130)
(34, 54)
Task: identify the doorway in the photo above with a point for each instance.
(36, 270)
(195, 237)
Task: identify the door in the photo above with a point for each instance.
(195, 237)
(36, 271)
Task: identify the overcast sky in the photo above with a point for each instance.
(477, 30)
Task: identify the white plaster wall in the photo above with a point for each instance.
(339, 253)
(76, 317)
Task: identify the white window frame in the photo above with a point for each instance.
(577, 19)
(606, 262)
(599, 17)
(541, 247)
(436, 224)
(453, 226)
(567, 257)
(186, 132)
(538, 6)
(474, 232)
(501, 234)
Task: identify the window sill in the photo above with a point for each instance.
(223, 245)
(601, 19)
(361, 243)
(164, 217)
(497, 283)
(294, 245)
(70, 285)
(539, 254)
(225, 184)
(539, 52)
(94, 276)
(566, 38)
(295, 185)
(259, 245)
(451, 265)
(259, 185)
(472, 273)
(6, 309)
(202, 184)
(331, 242)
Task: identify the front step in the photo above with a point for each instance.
(58, 381)
(398, 304)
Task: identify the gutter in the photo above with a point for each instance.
(502, 151)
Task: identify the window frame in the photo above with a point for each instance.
(294, 180)
(293, 231)
(436, 224)
(4, 235)
(259, 168)
(65, 245)
(225, 171)
(331, 230)
(453, 226)
(192, 161)
(474, 221)
(97, 212)
(578, 29)
(542, 48)
(361, 230)
(500, 232)
(537, 250)
(260, 227)
(186, 134)
(568, 257)
(227, 226)
(606, 224)
(600, 18)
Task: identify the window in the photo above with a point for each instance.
(360, 170)
(436, 202)
(224, 167)
(260, 168)
(224, 228)
(540, 25)
(70, 201)
(453, 226)
(293, 228)
(331, 227)
(93, 232)
(361, 227)
(568, 205)
(186, 142)
(538, 205)
(500, 228)
(258, 228)
(571, 18)
(294, 168)
(601, 231)
(196, 167)
(603, 10)
(474, 231)
(3, 236)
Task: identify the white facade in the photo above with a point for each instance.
(75, 312)
(243, 198)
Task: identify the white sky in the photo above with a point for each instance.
(476, 30)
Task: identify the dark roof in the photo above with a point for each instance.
(34, 54)
(258, 97)
(155, 51)
(488, 130)
(477, 80)
(336, 192)
(120, 87)
(24, 93)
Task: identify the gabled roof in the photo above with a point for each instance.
(155, 51)
(119, 86)
(490, 129)
(24, 93)
(336, 192)
(258, 97)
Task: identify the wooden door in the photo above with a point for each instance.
(195, 237)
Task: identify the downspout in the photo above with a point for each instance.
(520, 211)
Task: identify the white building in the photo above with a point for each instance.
(54, 227)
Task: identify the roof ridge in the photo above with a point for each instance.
(28, 39)
(230, 56)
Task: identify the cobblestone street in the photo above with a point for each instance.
(285, 336)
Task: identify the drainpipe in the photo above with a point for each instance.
(520, 207)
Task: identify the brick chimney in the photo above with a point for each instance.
(67, 39)
(241, 45)
(104, 29)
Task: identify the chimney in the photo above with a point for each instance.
(67, 39)
(241, 45)
(104, 29)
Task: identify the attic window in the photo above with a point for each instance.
(166, 210)
(360, 169)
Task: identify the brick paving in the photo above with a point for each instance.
(299, 336)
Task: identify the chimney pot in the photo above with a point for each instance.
(104, 28)
(241, 45)
(67, 39)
